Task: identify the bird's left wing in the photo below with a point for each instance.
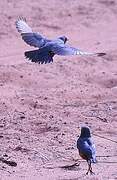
(64, 50)
(31, 38)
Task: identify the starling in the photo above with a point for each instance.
(46, 48)
(86, 148)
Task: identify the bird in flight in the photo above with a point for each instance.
(86, 148)
(46, 48)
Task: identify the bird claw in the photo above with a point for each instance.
(91, 172)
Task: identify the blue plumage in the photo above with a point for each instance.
(40, 56)
(46, 48)
(86, 147)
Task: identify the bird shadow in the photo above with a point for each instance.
(71, 167)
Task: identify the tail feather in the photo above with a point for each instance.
(39, 56)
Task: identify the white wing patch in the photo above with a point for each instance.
(22, 26)
(84, 53)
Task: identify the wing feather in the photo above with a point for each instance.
(33, 39)
(64, 50)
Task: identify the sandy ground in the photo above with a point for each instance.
(43, 106)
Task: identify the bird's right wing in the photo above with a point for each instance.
(64, 50)
(33, 39)
(92, 148)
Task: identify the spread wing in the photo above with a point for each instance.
(64, 50)
(31, 38)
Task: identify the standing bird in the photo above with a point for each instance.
(46, 48)
(86, 147)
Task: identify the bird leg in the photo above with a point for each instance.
(89, 168)
(91, 172)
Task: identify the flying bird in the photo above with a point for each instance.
(46, 48)
(86, 148)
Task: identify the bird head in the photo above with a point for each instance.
(85, 132)
(64, 39)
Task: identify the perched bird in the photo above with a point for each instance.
(46, 48)
(86, 147)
